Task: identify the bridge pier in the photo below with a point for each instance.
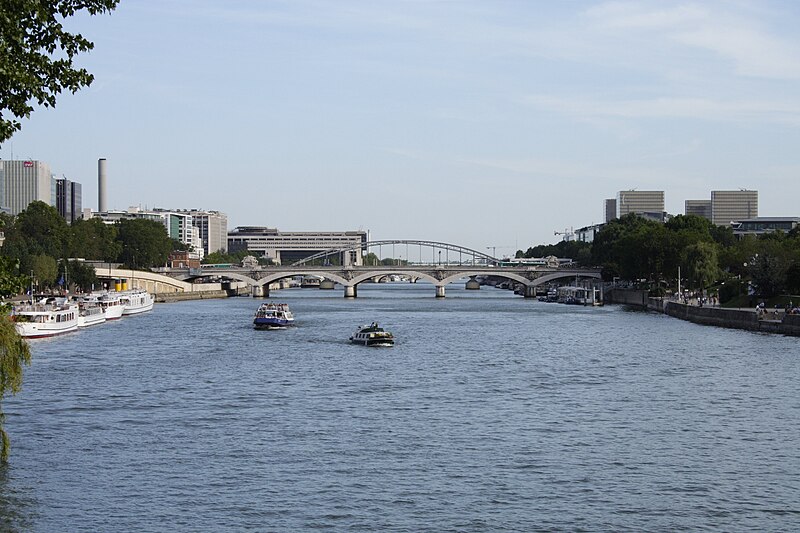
(440, 291)
(259, 291)
(350, 291)
(530, 291)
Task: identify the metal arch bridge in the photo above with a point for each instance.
(440, 271)
(465, 255)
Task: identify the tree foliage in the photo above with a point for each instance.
(702, 264)
(94, 240)
(37, 55)
(576, 250)
(145, 243)
(14, 354)
(11, 281)
(37, 230)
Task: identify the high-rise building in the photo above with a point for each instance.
(647, 203)
(700, 208)
(68, 199)
(733, 206)
(213, 227)
(610, 209)
(24, 182)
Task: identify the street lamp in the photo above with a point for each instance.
(440, 257)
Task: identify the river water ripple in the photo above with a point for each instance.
(492, 413)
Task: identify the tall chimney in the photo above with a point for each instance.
(101, 185)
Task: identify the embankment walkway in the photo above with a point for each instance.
(770, 322)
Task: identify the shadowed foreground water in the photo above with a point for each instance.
(492, 413)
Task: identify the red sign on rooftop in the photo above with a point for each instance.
(28, 163)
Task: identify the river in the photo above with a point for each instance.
(492, 413)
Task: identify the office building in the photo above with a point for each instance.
(733, 206)
(24, 182)
(700, 208)
(287, 247)
(68, 199)
(761, 225)
(213, 227)
(646, 203)
(180, 226)
(609, 209)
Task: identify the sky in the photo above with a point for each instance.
(483, 124)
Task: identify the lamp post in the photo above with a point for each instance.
(440, 258)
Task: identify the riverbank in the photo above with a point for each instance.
(747, 319)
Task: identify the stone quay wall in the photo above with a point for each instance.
(709, 316)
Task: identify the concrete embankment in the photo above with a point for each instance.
(181, 296)
(722, 317)
(167, 297)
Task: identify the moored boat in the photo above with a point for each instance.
(273, 316)
(372, 335)
(111, 304)
(45, 319)
(136, 301)
(89, 314)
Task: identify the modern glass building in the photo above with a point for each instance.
(640, 202)
(68, 199)
(759, 225)
(609, 209)
(700, 208)
(733, 206)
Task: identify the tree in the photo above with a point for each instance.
(43, 268)
(14, 354)
(81, 275)
(11, 282)
(145, 243)
(37, 53)
(38, 229)
(92, 239)
(702, 264)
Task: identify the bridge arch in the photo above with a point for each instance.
(471, 256)
(561, 275)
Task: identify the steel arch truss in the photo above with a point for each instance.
(471, 255)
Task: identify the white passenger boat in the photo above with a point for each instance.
(372, 335)
(273, 316)
(136, 301)
(112, 305)
(89, 314)
(46, 318)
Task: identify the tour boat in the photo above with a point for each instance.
(273, 316)
(372, 335)
(46, 318)
(136, 301)
(90, 313)
(111, 303)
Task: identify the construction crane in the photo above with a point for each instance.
(566, 233)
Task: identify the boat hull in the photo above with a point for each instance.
(91, 320)
(272, 323)
(38, 331)
(36, 321)
(136, 302)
